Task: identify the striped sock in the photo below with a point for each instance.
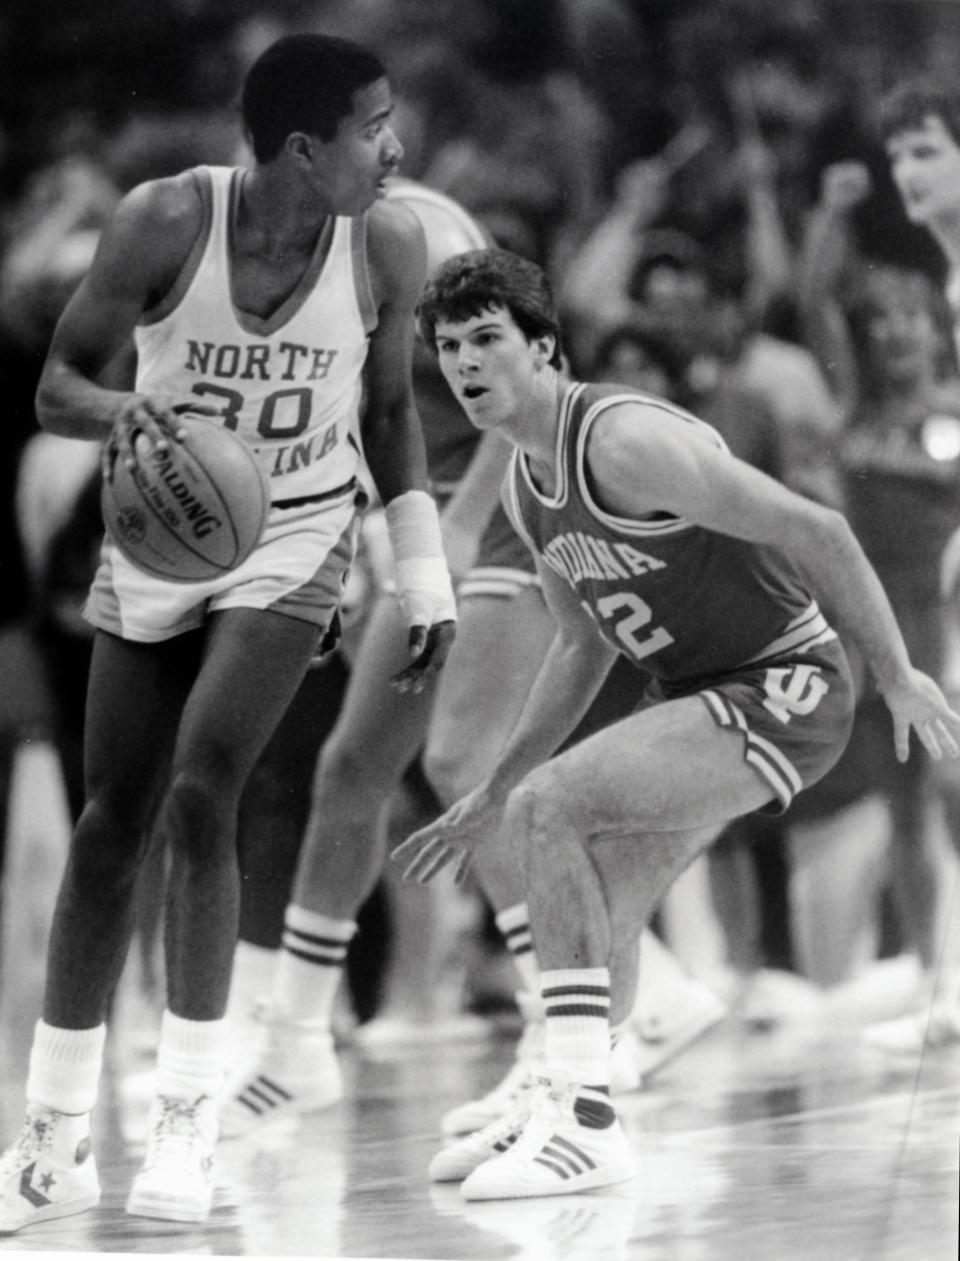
(513, 923)
(577, 1005)
(312, 957)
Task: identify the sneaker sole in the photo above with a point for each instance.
(53, 1211)
(590, 1181)
(166, 1210)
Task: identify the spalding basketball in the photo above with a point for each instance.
(192, 512)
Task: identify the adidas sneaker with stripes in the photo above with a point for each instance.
(572, 1141)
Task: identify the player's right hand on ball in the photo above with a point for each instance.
(151, 420)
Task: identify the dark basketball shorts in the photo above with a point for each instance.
(795, 714)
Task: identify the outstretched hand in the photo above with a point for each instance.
(917, 703)
(452, 837)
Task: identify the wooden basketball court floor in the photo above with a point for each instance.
(802, 1143)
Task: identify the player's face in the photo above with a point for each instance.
(925, 164)
(489, 364)
(353, 168)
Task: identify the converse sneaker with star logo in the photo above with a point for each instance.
(49, 1172)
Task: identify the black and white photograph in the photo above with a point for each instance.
(480, 629)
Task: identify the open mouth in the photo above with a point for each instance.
(473, 391)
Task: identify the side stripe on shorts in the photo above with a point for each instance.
(762, 754)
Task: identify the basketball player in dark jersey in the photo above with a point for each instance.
(654, 542)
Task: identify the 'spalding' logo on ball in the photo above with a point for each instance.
(194, 515)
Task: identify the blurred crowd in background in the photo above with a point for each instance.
(669, 162)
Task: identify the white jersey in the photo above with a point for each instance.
(288, 384)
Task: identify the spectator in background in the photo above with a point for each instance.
(526, 158)
(882, 333)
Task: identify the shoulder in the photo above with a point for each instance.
(391, 225)
(396, 251)
(173, 204)
(639, 435)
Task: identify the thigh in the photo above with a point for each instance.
(253, 662)
(500, 646)
(667, 768)
(135, 697)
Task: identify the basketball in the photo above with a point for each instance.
(190, 513)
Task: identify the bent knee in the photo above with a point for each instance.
(542, 805)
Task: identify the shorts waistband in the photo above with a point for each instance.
(317, 499)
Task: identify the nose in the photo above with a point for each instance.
(392, 148)
(466, 357)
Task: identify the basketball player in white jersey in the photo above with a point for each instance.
(920, 124)
(653, 542)
(261, 296)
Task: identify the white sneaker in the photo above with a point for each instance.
(668, 1022)
(454, 1163)
(934, 1029)
(519, 1083)
(49, 1172)
(571, 1142)
(176, 1181)
(297, 1070)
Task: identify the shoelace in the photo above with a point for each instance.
(549, 1105)
(498, 1131)
(174, 1132)
(35, 1137)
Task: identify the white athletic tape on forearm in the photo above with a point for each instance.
(424, 588)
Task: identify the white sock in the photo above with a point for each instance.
(65, 1067)
(311, 963)
(513, 923)
(577, 1003)
(190, 1058)
(254, 968)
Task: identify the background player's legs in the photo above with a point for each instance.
(377, 734)
(495, 657)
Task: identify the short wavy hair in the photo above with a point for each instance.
(483, 280)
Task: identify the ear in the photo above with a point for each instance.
(543, 348)
(299, 146)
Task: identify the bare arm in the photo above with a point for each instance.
(394, 447)
(572, 674)
(139, 256)
(825, 253)
(641, 464)
(573, 671)
(392, 437)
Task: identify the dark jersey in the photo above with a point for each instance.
(686, 604)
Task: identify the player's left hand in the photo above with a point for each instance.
(429, 649)
(917, 703)
(452, 837)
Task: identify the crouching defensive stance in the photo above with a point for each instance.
(653, 541)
